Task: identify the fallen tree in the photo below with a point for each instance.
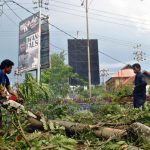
(141, 130)
(108, 131)
(79, 127)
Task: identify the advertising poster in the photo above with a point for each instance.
(28, 43)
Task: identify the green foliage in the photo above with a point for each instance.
(121, 145)
(84, 116)
(98, 92)
(58, 75)
(55, 84)
(106, 109)
(123, 92)
(63, 142)
(31, 91)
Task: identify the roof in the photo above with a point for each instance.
(129, 80)
(125, 73)
(127, 67)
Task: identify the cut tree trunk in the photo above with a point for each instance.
(109, 132)
(79, 127)
(142, 130)
(133, 148)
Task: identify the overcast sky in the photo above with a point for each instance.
(119, 25)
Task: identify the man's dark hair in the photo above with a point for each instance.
(136, 65)
(6, 63)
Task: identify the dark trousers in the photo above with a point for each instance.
(139, 102)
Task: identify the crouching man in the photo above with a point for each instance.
(5, 68)
(5, 101)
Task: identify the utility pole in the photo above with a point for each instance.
(42, 4)
(139, 55)
(2, 3)
(103, 74)
(88, 46)
(1, 10)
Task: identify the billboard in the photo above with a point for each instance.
(45, 43)
(78, 59)
(29, 31)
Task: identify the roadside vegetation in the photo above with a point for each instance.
(107, 121)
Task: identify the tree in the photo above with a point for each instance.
(57, 77)
(32, 92)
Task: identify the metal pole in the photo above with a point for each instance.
(88, 49)
(39, 50)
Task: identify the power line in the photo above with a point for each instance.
(66, 32)
(111, 13)
(98, 51)
(13, 11)
(82, 17)
(95, 14)
(46, 20)
(112, 57)
(102, 20)
(10, 18)
(58, 47)
(102, 11)
(100, 37)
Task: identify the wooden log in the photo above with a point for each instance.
(142, 130)
(109, 132)
(133, 148)
(79, 127)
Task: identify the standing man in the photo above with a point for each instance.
(139, 93)
(5, 68)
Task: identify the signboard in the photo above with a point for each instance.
(45, 43)
(29, 43)
(29, 31)
(78, 59)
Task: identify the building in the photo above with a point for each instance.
(125, 76)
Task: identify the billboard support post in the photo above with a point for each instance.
(39, 51)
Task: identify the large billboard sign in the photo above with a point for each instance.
(78, 59)
(29, 30)
(45, 42)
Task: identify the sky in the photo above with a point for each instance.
(119, 26)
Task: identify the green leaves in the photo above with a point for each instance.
(31, 91)
(63, 142)
(57, 77)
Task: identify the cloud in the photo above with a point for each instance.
(135, 10)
